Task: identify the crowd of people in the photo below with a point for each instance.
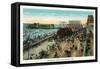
(80, 43)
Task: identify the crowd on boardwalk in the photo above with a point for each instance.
(79, 44)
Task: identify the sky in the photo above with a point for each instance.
(53, 16)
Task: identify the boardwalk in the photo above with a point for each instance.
(73, 46)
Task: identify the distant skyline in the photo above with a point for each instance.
(53, 16)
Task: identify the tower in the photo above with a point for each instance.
(90, 20)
